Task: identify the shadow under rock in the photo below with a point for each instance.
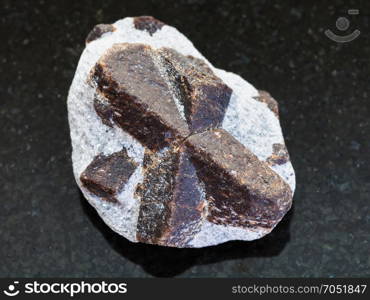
(168, 262)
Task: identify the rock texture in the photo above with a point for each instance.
(169, 149)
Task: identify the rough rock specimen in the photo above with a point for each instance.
(169, 149)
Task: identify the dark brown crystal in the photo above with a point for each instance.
(241, 189)
(98, 31)
(148, 24)
(272, 104)
(279, 155)
(192, 169)
(129, 78)
(204, 96)
(104, 111)
(106, 175)
(171, 201)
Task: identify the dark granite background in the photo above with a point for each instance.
(48, 229)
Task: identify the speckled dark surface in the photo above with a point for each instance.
(48, 229)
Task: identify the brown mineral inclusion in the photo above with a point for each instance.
(265, 97)
(98, 31)
(107, 174)
(128, 76)
(279, 155)
(241, 189)
(204, 96)
(189, 161)
(148, 24)
(171, 201)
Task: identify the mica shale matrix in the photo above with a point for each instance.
(169, 149)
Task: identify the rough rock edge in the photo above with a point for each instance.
(98, 31)
(148, 23)
(271, 103)
(279, 156)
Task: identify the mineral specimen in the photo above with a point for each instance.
(169, 149)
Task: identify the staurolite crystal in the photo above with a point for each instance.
(169, 149)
